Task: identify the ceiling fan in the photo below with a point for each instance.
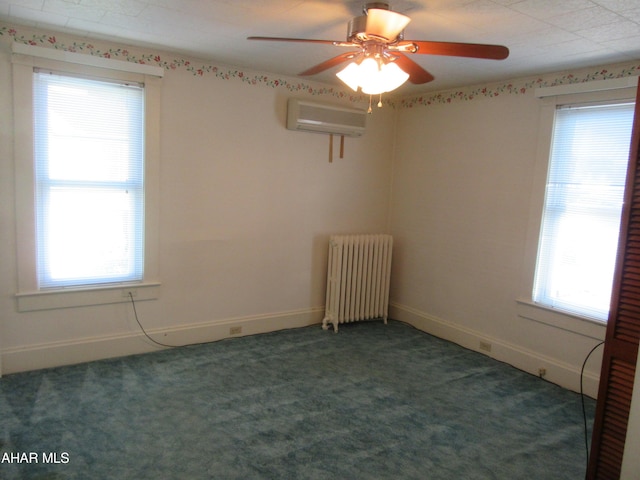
(379, 63)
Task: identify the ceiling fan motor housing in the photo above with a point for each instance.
(378, 5)
(357, 32)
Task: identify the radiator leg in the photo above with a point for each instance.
(325, 324)
(385, 320)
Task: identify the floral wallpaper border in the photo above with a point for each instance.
(522, 86)
(166, 61)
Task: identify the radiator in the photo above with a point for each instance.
(358, 275)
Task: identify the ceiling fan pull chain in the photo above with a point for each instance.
(380, 102)
(369, 111)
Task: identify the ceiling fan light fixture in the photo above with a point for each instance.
(394, 76)
(372, 76)
(350, 76)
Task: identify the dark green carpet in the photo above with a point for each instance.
(371, 402)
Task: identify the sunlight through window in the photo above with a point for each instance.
(583, 203)
(89, 180)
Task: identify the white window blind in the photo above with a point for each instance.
(89, 169)
(583, 202)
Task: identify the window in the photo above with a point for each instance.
(583, 202)
(89, 180)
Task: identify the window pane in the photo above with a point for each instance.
(583, 202)
(90, 234)
(89, 180)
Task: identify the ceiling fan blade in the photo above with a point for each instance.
(385, 23)
(417, 74)
(304, 40)
(327, 64)
(452, 49)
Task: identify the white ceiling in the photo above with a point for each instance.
(542, 35)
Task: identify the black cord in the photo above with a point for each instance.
(135, 312)
(133, 303)
(584, 410)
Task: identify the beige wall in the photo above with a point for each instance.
(468, 188)
(246, 208)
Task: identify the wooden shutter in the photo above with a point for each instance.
(623, 332)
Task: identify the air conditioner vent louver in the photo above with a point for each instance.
(319, 118)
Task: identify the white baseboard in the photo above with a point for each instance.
(36, 357)
(558, 372)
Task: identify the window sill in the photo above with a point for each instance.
(584, 326)
(84, 297)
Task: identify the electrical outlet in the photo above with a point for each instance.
(235, 330)
(542, 372)
(485, 346)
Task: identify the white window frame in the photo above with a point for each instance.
(618, 90)
(24, 59)
(554, 219)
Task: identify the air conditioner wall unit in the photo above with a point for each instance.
(319, 118)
